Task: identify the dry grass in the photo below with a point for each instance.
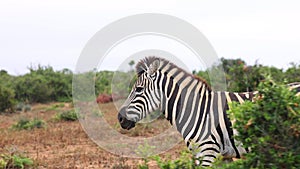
(65, 144)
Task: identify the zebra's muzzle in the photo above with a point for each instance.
(125, 124)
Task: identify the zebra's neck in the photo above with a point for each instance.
(180, 90)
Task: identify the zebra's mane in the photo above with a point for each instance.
(144, 64)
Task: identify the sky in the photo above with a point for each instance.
(55, 32)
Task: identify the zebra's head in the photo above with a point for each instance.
(144, 97)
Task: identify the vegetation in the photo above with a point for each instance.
(44, 84)
(26, 124)
(145, 151)
(270, 127)
(241, 77)
(185, 160)
(69, 115)
(15, 161)
(103, 82)
(7, 100)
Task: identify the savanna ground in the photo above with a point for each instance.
(64, 144)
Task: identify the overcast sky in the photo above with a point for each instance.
(54, 32)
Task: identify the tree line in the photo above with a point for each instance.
(241, 77)
(44, 84)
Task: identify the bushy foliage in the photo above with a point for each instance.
(15, 161)
(103, 82)
(241, 77)
(33, 88)
(292, 74)
(70, 115)
(7, 100)
(184, 161)
(26, 124)
(270, 128)
(84, 86)
(7, 93)
(43, 84)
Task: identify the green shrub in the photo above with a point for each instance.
(69, 115)
(292, 74)
(26, 124)
(184, 161)
(270, 127)
(7, 100)
(103, 82)
(43, 84)
(14, 161)
(82, 89)
(32, 88)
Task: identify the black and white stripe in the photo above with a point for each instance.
(189, 104)
(295, 86)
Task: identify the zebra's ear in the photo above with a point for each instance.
(153, 67)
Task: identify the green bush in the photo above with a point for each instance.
(43, 84)
(270, 128)
(241, 77)
(103, 82)
(69, 115)
(26, 124)
(82, 88)
(7, 100)
(292, 74)
(32, 88)
(14, 161)
(184, 161)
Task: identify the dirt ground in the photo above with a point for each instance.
(64, 144)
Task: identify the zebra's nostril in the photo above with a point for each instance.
(121, 119)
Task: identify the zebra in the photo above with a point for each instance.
(189, 104)
(295, 86)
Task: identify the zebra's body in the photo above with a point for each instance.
(295, 86)
(190, 105)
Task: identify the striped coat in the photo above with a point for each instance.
(189, 104)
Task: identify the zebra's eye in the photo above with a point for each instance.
(139, 89)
